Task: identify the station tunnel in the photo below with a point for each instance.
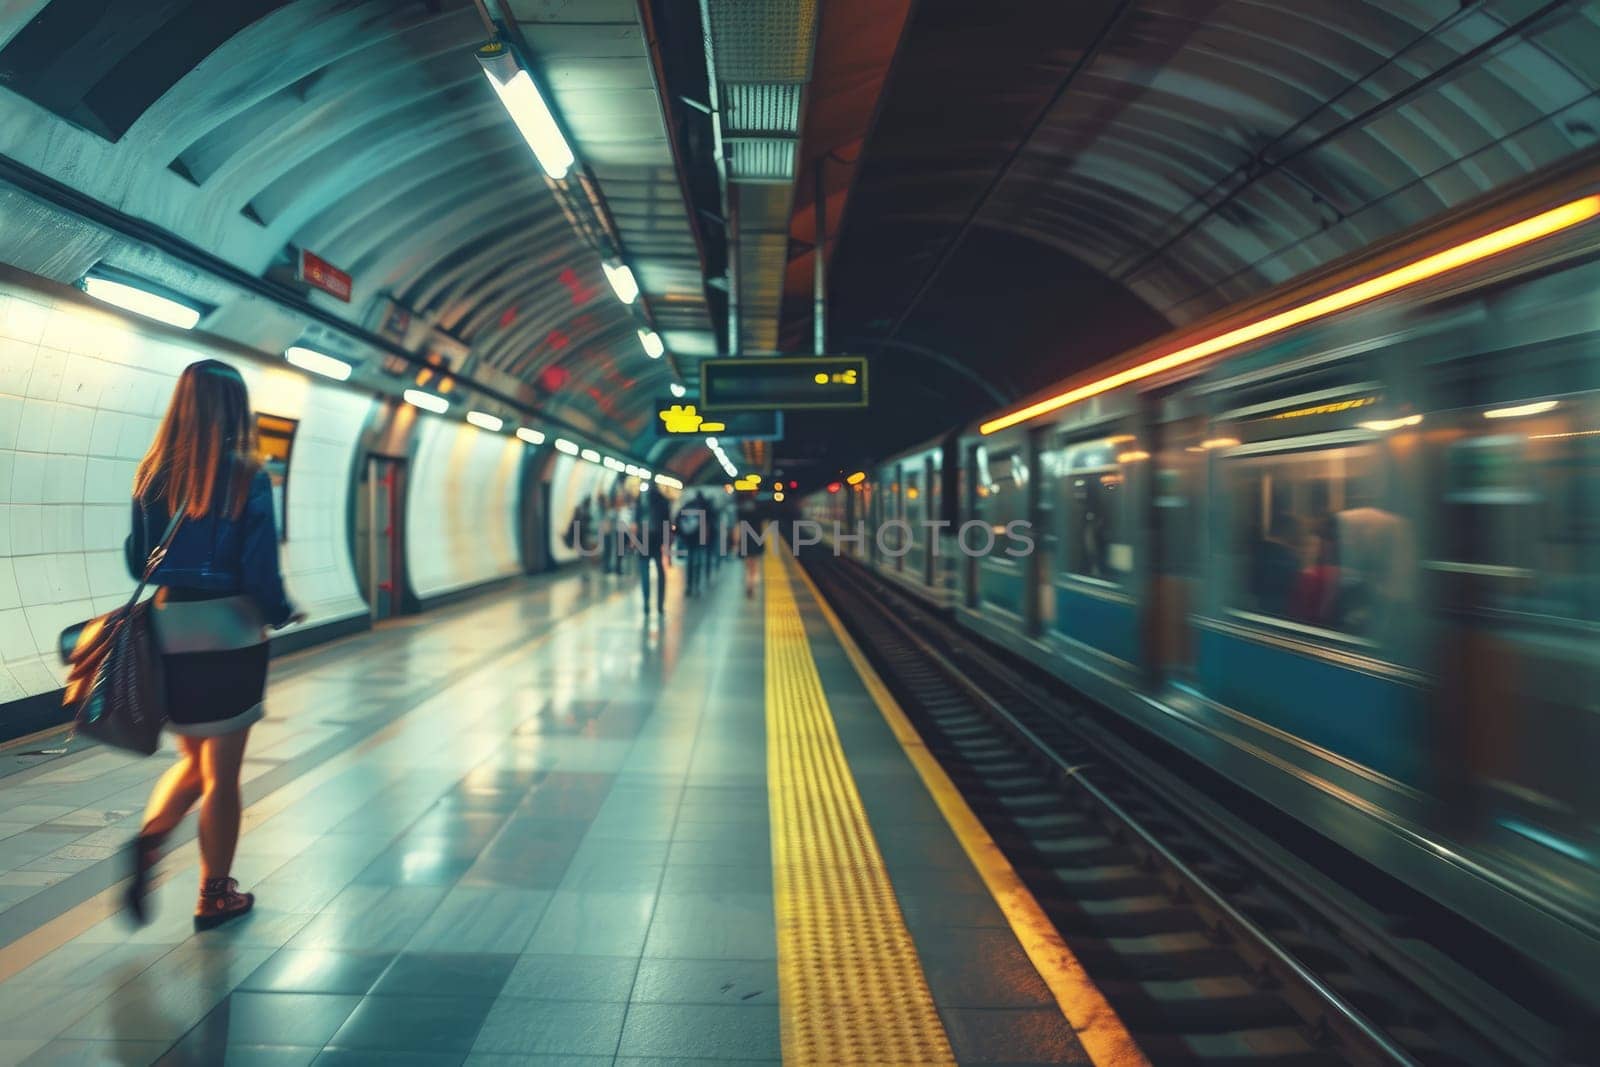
(799, 531)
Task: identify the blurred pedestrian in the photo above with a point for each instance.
(218, 590)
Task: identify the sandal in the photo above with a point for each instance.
(143, 852)
(220, 900)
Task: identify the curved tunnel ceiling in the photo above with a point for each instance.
(1136, 164)
(366, 133)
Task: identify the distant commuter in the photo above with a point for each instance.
(694, 529)
(624, 526)
(219, 589)
(653, 528)
(749, 542)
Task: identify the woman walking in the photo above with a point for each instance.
(219, 588)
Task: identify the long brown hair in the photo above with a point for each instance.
(208, 438)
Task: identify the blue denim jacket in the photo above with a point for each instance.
(216, 554)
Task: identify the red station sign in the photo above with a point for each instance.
(316, 271)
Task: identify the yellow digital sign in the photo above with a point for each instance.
(775, 383)
(685, 419)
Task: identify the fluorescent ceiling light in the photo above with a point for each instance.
(669, 481)
(564, 445)
(652, 343)
(142, 302)
(1538, 407)
(591, 455)
(318, 363)
(711, 443)
(613, 464)
(527, 108)
(426, 401)
(485, 421)
(533, 437)
(622, 282)
(677, 389)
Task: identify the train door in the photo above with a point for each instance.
(380, 555)
(1042, 562)
(1512, 567)
(1176, 538)
(968, 489)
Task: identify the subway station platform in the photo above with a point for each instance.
(532, 829)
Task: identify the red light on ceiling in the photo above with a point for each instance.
(557, 340)
(834, 487)
(794, 485)
(553, 378)
(581, 294)
(507, 317)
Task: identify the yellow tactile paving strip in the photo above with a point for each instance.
(850, 986)
(1105, 1039)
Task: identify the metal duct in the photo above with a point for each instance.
(760, 53)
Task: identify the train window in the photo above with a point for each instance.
(1523, 509)
(1002, 486)
(1313, 544)
(913, 511)
(1096, 527)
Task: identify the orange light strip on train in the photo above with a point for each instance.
(1520, 233)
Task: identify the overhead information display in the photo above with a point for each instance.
(780, 383)
(683, 418)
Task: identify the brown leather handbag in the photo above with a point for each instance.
(116, 685)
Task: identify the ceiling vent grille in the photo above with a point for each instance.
(761, 108)
(761, 159)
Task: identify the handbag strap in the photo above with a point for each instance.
(157, 554)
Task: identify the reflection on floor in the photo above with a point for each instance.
(531, 827)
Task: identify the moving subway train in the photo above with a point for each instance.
(1343, 545)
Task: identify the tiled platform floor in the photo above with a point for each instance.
(527, 829)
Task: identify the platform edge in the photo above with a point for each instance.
(1099, 1030)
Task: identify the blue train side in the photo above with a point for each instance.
(1355, 567)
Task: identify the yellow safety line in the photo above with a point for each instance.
(1103, 1036)
(850, 986)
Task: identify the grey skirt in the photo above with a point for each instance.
(214, 657)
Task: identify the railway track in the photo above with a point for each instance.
(1215, 942)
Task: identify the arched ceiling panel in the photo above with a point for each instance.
(366, 132)
(1191, 153)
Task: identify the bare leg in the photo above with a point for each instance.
(175, 791)
(220, 761)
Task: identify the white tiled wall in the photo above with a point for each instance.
(81, 394)
(461, 507)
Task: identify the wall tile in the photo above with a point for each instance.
(49, 367)
(82, 381)
(10, 596)
(33, 675)
(23, 319)
(33, 431)
(27, 478)
(68, 575)
(70, 429)
(16, 640)
(63, 527)
(105, 526)
(33, 580)
(27, 529)
(16, 365)
(64, 478)
(10, 420)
